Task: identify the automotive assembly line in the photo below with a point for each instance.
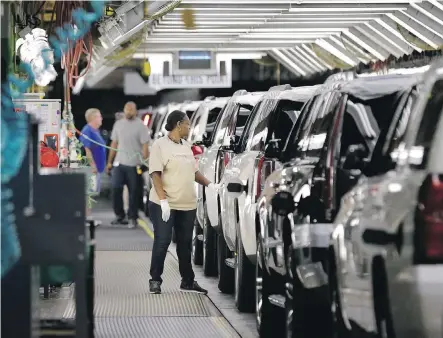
(222, 169)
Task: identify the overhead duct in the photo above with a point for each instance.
(130, 21)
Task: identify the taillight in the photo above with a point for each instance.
(197, 150)
(226, 159)
(431, 208)
(263, 170)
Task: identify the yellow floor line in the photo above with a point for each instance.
(145, 227)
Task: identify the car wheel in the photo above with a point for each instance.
(289, 296)
(197, 245)
(244, 279)
(382, 312)
(308, 305)
(336, 307)
(209, 248)
(226, 283)
(268, 317)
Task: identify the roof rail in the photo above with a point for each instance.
(341, 76)
(280, 88)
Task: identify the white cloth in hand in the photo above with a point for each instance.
(166, 210)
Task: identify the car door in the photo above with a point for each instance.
(207, 163)
(239, 167)
(296, 149)
(320, 150)
(211, 164)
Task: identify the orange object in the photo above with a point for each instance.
(48, 156)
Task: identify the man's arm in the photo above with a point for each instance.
(145, 152)
(114, 146)
(200, 179)
(90, 159)
(144, 140)
(112, 152)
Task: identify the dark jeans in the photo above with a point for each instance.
(183, 223)
(124, 175)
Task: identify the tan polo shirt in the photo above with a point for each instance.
(178, 166)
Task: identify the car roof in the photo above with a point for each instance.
(368, 88)
(250, 99)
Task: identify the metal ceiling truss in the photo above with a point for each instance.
(306, 36)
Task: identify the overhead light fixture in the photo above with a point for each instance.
(241, 56)
(363, 44)
(283, 59)
(344, 9)
(334, 51)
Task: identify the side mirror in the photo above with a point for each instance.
(272, 149)
(354, 157)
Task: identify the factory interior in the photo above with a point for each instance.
(222, 169)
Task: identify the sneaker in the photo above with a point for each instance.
(132, 224)
(119, 221)
(192, 287)
(155, 287)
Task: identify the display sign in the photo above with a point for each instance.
(48, 112)
(190, 81)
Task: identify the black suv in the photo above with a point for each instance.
(327, 152)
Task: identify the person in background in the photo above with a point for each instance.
(172, 201)
(130, 137)
(94, 145)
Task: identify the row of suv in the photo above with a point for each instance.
(329, 211)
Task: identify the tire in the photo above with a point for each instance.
(340, 327)
(309, 306)
(197, 245)
(210, 263)
(382, 312)
(226, 283)
(269, 318)
(244, 279)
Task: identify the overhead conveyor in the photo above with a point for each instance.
(305, 36)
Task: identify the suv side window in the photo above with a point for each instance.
(222, 123)
(238, 120)
(397, 136)
(319, 131)
(195, 126)
(283, 119)
(250, 123)
(294, 145)
(428, 125)
(260, 128)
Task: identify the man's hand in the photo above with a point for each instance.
(108, 168)
(94, 169)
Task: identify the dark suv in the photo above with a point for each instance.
(326, 153)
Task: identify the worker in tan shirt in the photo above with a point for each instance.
(172, 200)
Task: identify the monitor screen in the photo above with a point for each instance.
(189, 60)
